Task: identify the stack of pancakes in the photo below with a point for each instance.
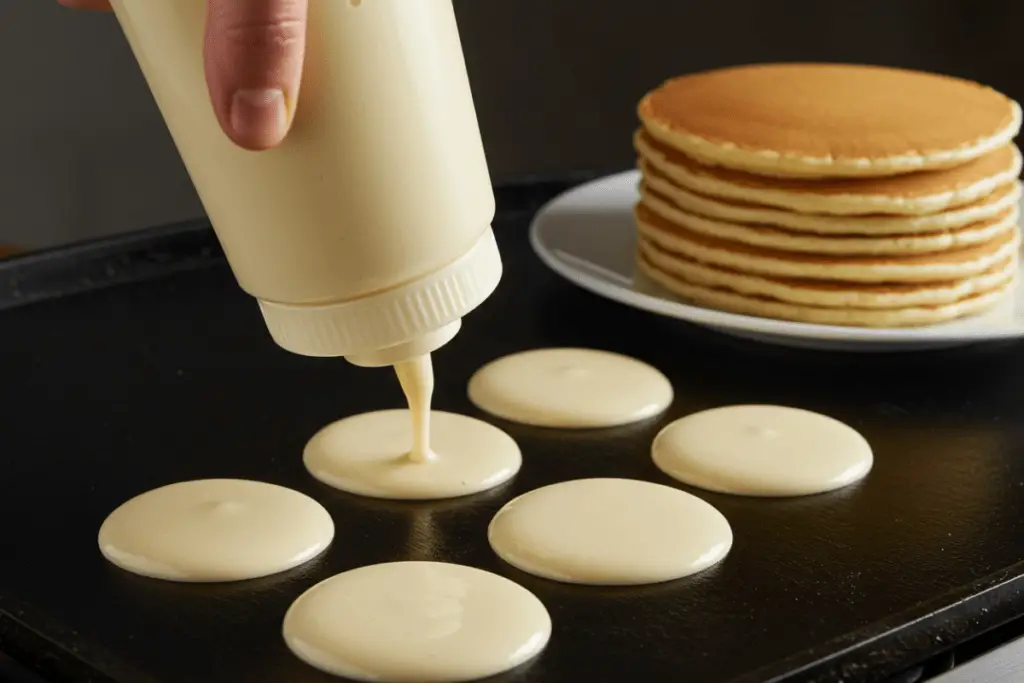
(833, 194)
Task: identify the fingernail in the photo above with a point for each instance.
(259, 116)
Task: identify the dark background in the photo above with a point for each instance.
(83, 151)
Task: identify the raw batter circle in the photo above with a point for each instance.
(423, 622)
(368, 454)
(570, 388)
(215, 530)
(609, 532)
(765, 451)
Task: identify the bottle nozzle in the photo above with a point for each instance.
(420, 346)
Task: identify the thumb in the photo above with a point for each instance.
(254, 52)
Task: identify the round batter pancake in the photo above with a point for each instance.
(911, 193)
(612, 532)
(762, 450)
(946, 265)
(422, 622)
(215, 530)
(570, 388)
(787, 240)
(857, 317)
(828, 120)
(368, 455)
(994, 204)
(828, 294)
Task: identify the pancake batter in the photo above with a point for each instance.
(215, 530)
(371, 455)
(416, 621)
(609, 532)
(417, 379)
(570, 388)
(762, 451)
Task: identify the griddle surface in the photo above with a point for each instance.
(112, 392)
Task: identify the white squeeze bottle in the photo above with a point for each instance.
(366, 234)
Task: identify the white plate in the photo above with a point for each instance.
(587, 236)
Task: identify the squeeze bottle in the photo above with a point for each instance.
(366, 234)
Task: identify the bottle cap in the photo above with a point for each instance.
(396, 324)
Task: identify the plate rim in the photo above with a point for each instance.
(713, 318)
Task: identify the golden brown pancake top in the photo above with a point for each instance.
(833, 111)
(917, 184)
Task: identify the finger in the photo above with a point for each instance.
(254, 52)
(86, 4)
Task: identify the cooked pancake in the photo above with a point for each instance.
(945, 265)
(828, 294)
(908, 194)
(828, 120)
(840, 245)
(915, 316)
(740, 212)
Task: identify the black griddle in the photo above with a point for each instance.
(131, 363)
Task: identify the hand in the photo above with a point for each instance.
(253, 54)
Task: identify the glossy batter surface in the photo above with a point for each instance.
(368, 455)
(570, 388)
(422, 622)
(215, 530)
(762, 451)
(610, 532)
